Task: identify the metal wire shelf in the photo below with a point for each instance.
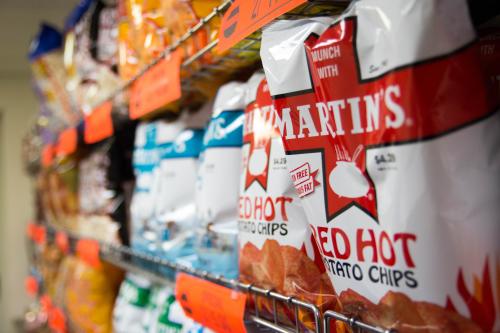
(236, 62)
(162, 271)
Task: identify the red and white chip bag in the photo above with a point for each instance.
(277, 249)
(392, 144)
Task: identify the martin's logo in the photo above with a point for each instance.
(259, 132)
(343, 116)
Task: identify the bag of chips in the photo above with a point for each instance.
(277, 249)
(131, 305)
(218, 182)
(152, 139)
(391, 143)
(171, 317)
(90, 296)
(174, 186)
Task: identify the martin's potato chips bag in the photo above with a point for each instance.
(392, 145)
(277, 249)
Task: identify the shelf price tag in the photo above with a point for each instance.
(67, 142)
(37, 233)
(88, 251)
(40, 235)
(46, 303)
(30, 230)
(244, 17)
(219, 308)
(57, 320)
(99, 124)
(62, 242)
(160, 85)
(31, 286)
(47, 155)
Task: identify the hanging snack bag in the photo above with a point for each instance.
(218, 181)
(391, 143)
(171, 317)
(145, 158)
(175, 182)
(90, 296)
(277, 249)
(131, 305)
(128, 51)
(152, 139)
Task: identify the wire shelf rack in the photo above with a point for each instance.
(237, 63)
(162, 271)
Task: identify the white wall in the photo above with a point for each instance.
(17, 107)
(19, 20)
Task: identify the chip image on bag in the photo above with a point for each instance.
(277, 249)
(392, 145)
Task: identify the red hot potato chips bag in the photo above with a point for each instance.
(392, 144)
(277, 249)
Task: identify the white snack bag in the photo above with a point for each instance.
(151, 140)
(145, 158)
(131, 305)
(171, 317)
(218, 181)
(175, 209)
(392, 144)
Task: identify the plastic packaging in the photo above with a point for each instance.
(170, 316)
(90, 53)
(131, 305)
(175, 183)
(50, 78)
(152, 139)
(145, 158)
(391, 143)
(90, 296)
(218, 181)
(277, 249)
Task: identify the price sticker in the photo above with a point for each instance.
(62, 241)
(88, 251)
(31, 286)
(47, 155)
(67, 142)
(219, 308)
(244, 17)
(40, 235)
(160, 85)
(99, 124)
(57, 320)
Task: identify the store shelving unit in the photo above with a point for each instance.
(154, 267)
(248, 48)
(162, 271)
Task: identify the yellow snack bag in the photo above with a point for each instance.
(90, 296)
